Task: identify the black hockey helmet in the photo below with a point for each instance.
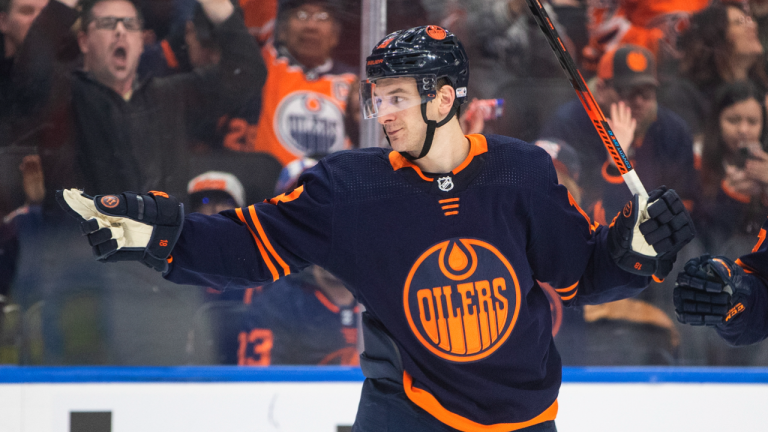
(427, 54)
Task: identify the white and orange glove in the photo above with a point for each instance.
(127, 226)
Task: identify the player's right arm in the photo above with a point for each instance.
(240, 247)
(261, 242)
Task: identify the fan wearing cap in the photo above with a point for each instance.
(656, 140)
(443, 239)
(214, 192)
(306, 93)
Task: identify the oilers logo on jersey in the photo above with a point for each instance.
(309, 123)
(461, 299)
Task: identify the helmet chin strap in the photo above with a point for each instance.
(431, 126)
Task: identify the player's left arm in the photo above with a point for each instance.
(587, 263)
(719, 293)
(731, 296)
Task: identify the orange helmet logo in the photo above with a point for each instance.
(637, 61)
(461, 299)
(436, 32)
(385, 43)
(110, 201)
(627, 212)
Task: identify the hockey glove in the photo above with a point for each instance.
(711, 291)
(648, 246)
(128, 226)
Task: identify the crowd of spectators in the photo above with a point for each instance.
(181, 95)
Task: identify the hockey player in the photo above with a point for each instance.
(442, 239)
(730, 296)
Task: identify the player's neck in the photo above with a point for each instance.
(449, 149)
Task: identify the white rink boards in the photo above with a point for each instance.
(193, 399)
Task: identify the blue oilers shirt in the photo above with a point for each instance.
(751, 326)
(447, 263)
(293, 322)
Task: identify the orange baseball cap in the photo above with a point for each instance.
(628, 66)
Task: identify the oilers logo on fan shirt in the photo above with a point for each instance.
(462, 299)
(309, 123)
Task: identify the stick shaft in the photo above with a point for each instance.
(587, 100)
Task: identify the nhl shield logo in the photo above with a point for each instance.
(462, 299)
(445, 183)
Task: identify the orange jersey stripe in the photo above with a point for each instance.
(760, 240)
(263, 252)
(747, 269)
(263, 236)
(477, 145)
(448, 200)
(450, 206)
(592, 227)
(426, 401)
(327, 303)
(451, 213)
(287, 198)
(398, 161)
(566, 298)
(562, 290)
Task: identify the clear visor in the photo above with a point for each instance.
(389, 95)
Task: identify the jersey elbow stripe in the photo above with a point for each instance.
(430, 404)
(263, 252)
(565, 290)
(746, 268)
(263, 236)
(566, 298)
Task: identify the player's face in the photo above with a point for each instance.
(112, 54)
(15, 23)
(742, 33)
(310, 34)
(405, 128)
(741, 124)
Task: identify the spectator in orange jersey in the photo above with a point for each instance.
(306, 93)
(654, 25)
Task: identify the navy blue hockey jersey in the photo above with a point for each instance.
(446, 263)
(293, 322)
(757, 260)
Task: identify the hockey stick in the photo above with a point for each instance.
(587, 100)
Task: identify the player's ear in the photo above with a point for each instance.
(445, 97)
